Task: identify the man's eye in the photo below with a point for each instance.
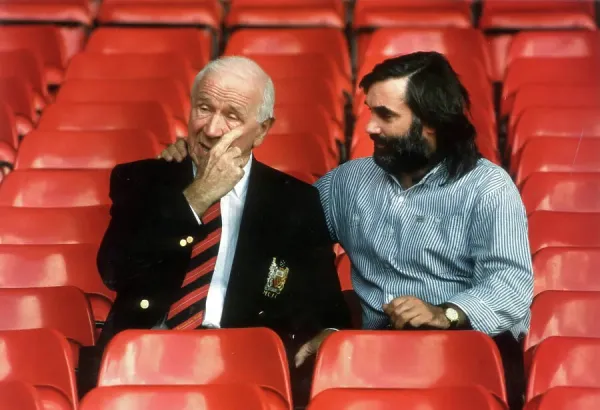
(233, 116)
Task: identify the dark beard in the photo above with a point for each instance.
(405, 154)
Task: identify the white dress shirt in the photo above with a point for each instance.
(232, 207)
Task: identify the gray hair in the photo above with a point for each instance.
(246, 65)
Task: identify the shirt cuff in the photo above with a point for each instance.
(196, 215)
(480, 315)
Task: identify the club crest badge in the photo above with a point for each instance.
(278, 273)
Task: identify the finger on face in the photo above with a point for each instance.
(226, 140)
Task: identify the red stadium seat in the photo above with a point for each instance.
(54, 188)
(47, 226)
(557, 14)
(544, 122)
(26, 65)
(194, 44)
(149, 116)
(52, 11)
(309, 92)
(438, 398)
(555, 44)
(189, 12)
(167, 91)
(564, 192)
(301, 175)
(566, 269)
(344, 267)
(36, 266)
(556, 96)
(325, 41)
(17, 93)
(563, 313)
(563, 229)
(135, 66)
(7, 155)
(214, 396)
(174, 357)
(564, 361)
(43, 40)
(41, 358)
(421, 359)
(15, 394)
(554, 71)
(64, 308)
(8, 126)
(85, 149)
(569, 398)
(557, 154)
(263, 13)
(411, 13)
(296, 152)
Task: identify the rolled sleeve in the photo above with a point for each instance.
(503, 275)
(324, 186)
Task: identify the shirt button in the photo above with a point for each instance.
(261, 313)
(144, 304)
(183, 243)
(189, 239)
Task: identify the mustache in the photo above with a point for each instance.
(377, 138)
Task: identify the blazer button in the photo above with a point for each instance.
(144, 304)
(189, 239)
(183, 243)
(261, 313)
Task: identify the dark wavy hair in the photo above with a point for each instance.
(437, 98)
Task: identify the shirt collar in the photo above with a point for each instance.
(240, 189)
(431, 176)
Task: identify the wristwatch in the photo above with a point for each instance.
(452, 316)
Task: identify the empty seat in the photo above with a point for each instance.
(325, 41)
(63, 308)
(329, 13)
(309, 92)
(557, 14)
(26, 65)
(7, 155)
(216, 396)
(556, 154)
(563, 313)
(43, 40)
(563, 229)
(189, 12)
(85, 149)
(54, 188)
(564, 361)
(8, 126)
(134, 66)
(569, 398)
(15, 394)
(149, 116)
(43, 359)
(34, 266)
(167, 91)
(438, 398)
(552, 191)
(46, 226)
(194, 44)
(137, 357)
(18, 95)
(566, 269)
(51, 11)
(410, 13)
(422, 359)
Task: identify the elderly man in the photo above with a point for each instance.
(219, 239)
(437, 235)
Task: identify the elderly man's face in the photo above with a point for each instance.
(223, 101)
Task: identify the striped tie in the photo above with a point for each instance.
(188, 310)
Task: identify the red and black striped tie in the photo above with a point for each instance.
(188, 310)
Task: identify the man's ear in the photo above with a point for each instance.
(265, 126)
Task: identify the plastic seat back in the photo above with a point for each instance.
(49, 226)
(564, 192)
(215, 396)
(42, 358)
(563, 229)
(566, 269)
(564, 361)
(50, 11)
(221, 356)
(36, 266)
(8, 126)
(570, 398)
(17, 93)
(28, 66)
(85, 149)
(15, 394)
(361, 359)
(149, 115)
(446, 398)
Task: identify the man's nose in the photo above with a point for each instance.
(215, 127)
(372, 127)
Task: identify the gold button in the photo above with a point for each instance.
(183, 243)
(144, 304)
(189, 239)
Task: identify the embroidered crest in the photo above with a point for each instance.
(278, 273)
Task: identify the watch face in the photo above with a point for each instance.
(452, 314)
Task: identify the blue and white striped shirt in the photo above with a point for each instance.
(464, 242)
